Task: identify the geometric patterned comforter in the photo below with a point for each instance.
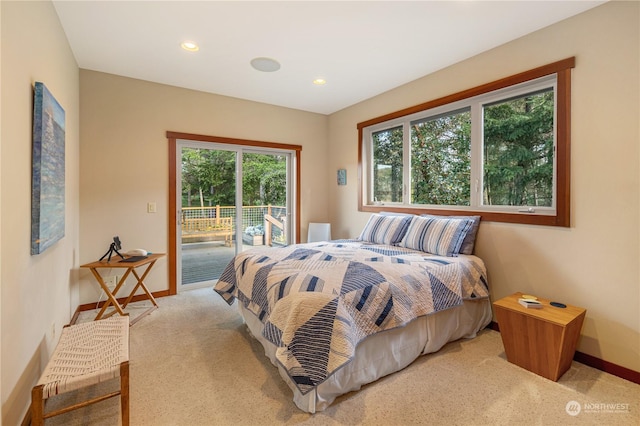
(317, 301)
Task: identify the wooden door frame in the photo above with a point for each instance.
(173, 214)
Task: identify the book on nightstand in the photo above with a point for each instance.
(531, 304)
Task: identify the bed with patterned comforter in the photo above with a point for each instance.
(318, 301)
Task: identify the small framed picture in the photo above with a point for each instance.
(342, 176)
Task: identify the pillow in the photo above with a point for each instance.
(441, 236)
(382, 229)
(470, 240)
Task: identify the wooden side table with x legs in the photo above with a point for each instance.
(130, 268)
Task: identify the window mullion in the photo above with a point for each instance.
(367, 172)
(476, 155)
(406, 155)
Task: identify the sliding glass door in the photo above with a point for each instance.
(232, 198)
(265, 211)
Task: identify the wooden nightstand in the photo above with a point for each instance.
(540, 340)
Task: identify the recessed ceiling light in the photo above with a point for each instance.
(319, 81)
(190, 46)
(265, 64)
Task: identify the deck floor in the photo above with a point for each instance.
(204, 261)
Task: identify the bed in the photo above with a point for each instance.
(335, 315)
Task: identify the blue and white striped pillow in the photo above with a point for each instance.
(385, 229)
(437, 236)
(470, 240)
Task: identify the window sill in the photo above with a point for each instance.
(487, 216)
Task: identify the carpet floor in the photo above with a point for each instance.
(193, 362)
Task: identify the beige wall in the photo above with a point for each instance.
(38, 292)
(124, 159)
(595, 263)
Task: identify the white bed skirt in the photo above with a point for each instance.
(422, 336)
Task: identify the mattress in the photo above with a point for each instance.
(383, 353)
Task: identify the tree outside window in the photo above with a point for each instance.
(518, 151)
(441, 160)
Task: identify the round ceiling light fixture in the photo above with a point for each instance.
(189, 46)
(319, 81)
(265, 64)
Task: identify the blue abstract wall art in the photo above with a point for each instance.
(48, 171)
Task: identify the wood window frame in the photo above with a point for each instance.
(562, 218)
(173, 137)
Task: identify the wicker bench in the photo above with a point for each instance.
(87, 354)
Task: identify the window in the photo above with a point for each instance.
(500, 150)
(387, 165)
(441, 159)
(518, 146)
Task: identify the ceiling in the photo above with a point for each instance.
(361, 48)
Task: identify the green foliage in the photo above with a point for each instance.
(264, 179)
(441, 160)
(208, 178)
(518, 156)
(387, 165)
(518, 151)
